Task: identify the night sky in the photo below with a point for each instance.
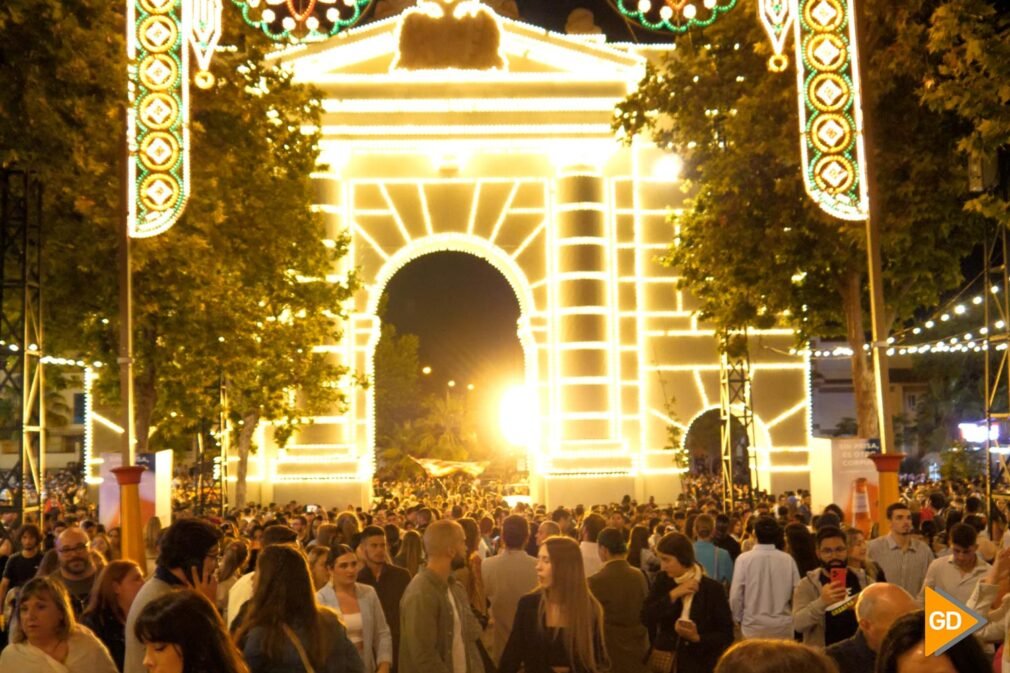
(464, 312)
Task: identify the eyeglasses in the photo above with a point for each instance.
(83, 547)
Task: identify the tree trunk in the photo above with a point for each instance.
(145, 396)
(251, 421)
(850, 289)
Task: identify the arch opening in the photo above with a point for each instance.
(452, 338)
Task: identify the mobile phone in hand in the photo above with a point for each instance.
(838, 576)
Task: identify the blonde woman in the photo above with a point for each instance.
(47, 639)
(558, 628)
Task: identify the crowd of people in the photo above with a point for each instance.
(450, 578)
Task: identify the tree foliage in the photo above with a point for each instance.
(751, 246)
(397, 385)
(242, 288)
(971, 40)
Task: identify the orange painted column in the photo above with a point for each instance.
(131, 533)
(887, 470)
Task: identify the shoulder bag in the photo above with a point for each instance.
(301, 649)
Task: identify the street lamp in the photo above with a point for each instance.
(470, 386)
(451, 383)
(426, 370)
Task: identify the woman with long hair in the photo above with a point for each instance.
(410, 556)
(687, 614)
(100, 544)
(182, 632)
(858, 560)
(558, 628)
(359, 608)
(638, 542)
(349, 526)
(285, 629)
(232, 564)
(470, 576)
(46, 637)
(316, 556)
(111, 597)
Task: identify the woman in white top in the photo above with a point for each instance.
(47, 639)
(359, 608)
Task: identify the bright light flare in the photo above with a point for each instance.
(518, 416)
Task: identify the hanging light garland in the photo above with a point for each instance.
(676, 16)
(302, 20)
(777, 17)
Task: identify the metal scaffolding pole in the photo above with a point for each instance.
(22, 381)
(736, 410)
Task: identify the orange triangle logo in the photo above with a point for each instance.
(948, 622)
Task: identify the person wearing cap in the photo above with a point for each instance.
(621, 590)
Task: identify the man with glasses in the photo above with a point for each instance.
(77, 570)
(957, 574)
(824, 601)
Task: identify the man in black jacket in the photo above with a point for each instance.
(879, 606)
(723, 538)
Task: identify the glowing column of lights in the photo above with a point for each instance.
(676, 16)
(585, 361)
(157, 123)
(830, 104)
(777, 17)
(89, 427)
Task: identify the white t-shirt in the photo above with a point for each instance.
(458, 649)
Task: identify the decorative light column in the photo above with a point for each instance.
(586, 403)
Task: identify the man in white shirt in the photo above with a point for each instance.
(956, 575)
(903, 559)
(591, 527)
(762, 591)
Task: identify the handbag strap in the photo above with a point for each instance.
(301, 649)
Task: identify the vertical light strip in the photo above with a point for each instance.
(636, 160)
(472, 219)
(613, 314)
(830, 107)
(425, 211)
(158, 117)
(89, 427)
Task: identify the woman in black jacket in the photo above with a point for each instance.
(686, 612)
(558, 628)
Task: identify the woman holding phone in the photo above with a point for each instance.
(687, 614)
(824, 602)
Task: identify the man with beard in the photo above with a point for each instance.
(824, 601)
(388, 580)
(77, 571)
(438, 632)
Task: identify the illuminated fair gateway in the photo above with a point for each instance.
(465, 131)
